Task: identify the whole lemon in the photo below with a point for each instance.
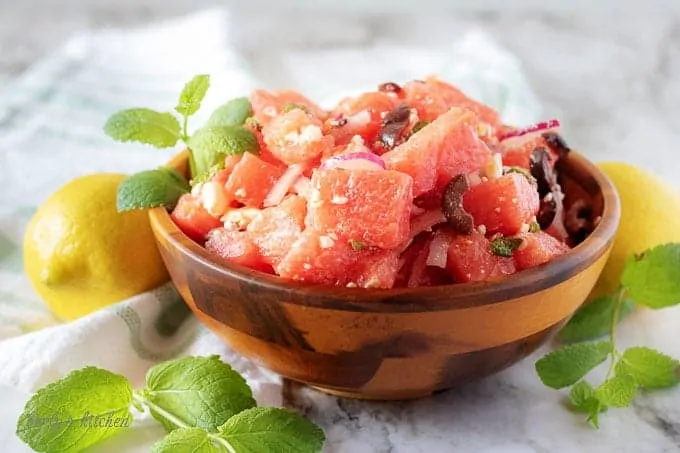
(80, 254)
(649, 216)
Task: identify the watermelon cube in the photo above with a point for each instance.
(518, 155)
(236, 247)
(377, 269)
(448, 136)
(275, 229)
(470, 259)
(251, 180)
(296, 137)
(361, 116)
(538, 248)
(266, 105)
(433, 97)
(192, 218)
(317, 258)
(370, 207)
(502, 205)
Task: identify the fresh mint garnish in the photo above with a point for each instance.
(233, 113)
(651, 279)
(356, 245)
(80, 410)
(419, 125)
(505, 246)
(223, 134)
(204, 404)
(201, 392)
(146, 126)
(150, 189)
(213, 143)
(593, 320)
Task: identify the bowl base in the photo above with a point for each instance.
(410, 395)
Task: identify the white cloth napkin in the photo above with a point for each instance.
(51, 122)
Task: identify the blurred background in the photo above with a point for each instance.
(609, 69)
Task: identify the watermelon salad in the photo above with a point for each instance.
(405, 186)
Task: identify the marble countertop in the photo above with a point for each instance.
(612, 76)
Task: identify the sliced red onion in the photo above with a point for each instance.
(303, 186)
(281, 187)
(355, 161)
(543, 126)
(439, 249)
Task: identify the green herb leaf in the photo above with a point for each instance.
(651, 369)
(504, 246)
(594, 416)
(233, 113)
(534, 227)
(192, 95)
(211, 144)
(419, 125)
(582, 398)
(186, 440)
(593, 320)
(202, 392)
(567, 365)
(617, 391)
(653, 279)
(144, 126)
(150, 189)
(272, 430)
(77, 411)
(356, 245)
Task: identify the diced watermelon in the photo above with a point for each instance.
(538, 248)
(361, 116)
(192, 218)
(464, 152)
(502, 205)
(471, 260)
(296, 137)
(370, 207)
(518, 156)
(432, 98)
(264, 152)
(314, 260)
(251, 180)
(420, 155)
(266, 105)
(276, 228)
(377, 269)
(237, 247)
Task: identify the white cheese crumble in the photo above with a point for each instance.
(339, 199)
(524, 228)
(481, 229)
(239, 219)
(214, 198)
(240, 192)
(307, 266)
(325, 242)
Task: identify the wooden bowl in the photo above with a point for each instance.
(397, 343)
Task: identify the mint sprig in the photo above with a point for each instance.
(224, 134)
(651, 279)
(204, 404)
(150, 189)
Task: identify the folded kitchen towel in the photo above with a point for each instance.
(51, 122)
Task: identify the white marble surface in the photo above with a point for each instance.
(614, 79)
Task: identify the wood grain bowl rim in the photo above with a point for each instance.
(424, 299)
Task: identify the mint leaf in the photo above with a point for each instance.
(211, 144)
(144, 126)
(567, 365)
(150, 189)
(650, 368)
(594, 416)
(419, 125)
(582, 398)
(593, 320)
(192, 95)
(233, 113)
(653, 279)
(617, 391)
(272, 430)
(504, 246)
(186, 440)
(77, 411)
(199, 391)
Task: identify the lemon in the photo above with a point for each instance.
(649, 217)
(80, 254)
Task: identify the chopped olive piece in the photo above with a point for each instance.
(452, 205)
(393, 126)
